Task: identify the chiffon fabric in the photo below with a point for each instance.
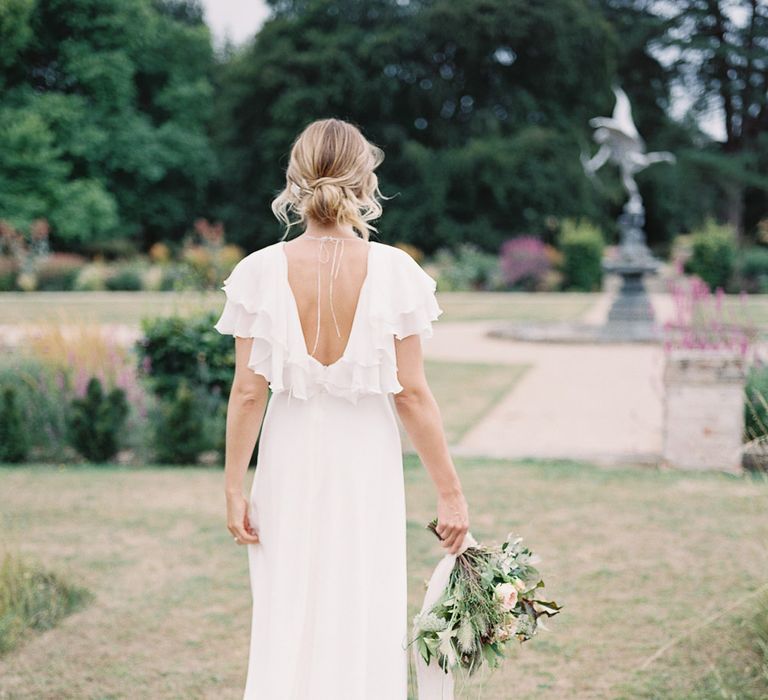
(328, 577)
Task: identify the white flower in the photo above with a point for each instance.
(429, 622)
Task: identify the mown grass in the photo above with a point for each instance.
(129, 308)
(466, 391)
(32, 598)
(727, 657)
(636, 557)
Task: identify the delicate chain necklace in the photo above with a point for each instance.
(322, 257)
(331, 238)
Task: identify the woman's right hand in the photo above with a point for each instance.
(238, 522)
(452, 520)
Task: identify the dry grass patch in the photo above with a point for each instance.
(634, 556)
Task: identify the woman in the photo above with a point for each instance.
(332, 323)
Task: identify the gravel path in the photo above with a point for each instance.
(600, 403)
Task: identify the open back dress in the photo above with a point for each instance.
(328, 577)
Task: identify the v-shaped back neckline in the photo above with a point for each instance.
(297, 317)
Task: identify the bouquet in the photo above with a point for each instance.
(489, 600)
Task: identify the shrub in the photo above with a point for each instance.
(713, 254)
(43, 400)
(210, 264)
(58, 272)
(8, 272)
(468, 268)
(152, 278)
(180, 429)
(92, 278)
(752, 270)
(525, 263)
(756, 403)
(581, 245)
(160, 253)
(32, 598)
(177, 348)
(14, 441)
(125, 277)
(96, 422)
(178, 277)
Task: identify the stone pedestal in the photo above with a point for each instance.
(631, 316)
(703, 410)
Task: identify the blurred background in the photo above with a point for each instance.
(141, 142)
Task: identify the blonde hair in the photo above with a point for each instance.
(330, 178)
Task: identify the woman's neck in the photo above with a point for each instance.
(318, 231)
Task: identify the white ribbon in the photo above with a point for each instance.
(433, 682)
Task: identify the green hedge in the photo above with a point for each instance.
(713, 254)
(581, 244)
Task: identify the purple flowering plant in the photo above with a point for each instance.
(704, 321)
(524, 262)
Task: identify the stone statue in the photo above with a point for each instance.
(631, 315)
(620, 143)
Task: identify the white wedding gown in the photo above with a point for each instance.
(328, 578)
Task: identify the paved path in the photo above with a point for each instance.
(594, 402)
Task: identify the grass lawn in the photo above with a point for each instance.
(466, 391)
(635, 556)
(129, 307)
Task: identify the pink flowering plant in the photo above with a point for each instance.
(703, 321)
(491, 599)
(525, 262)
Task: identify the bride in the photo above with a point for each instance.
(328, 328)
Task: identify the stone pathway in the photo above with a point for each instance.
(600, 403)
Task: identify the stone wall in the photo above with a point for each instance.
(703, 410)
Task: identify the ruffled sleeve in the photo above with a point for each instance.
(414, 304)
(243, 297)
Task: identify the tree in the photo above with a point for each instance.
(474, 104)
(722, 58)
(109, 100)
(96, 421)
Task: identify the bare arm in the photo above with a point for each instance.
(421, 419)
(245, 410)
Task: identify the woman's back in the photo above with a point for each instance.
(326, 277)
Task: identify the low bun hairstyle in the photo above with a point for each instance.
(330, 178)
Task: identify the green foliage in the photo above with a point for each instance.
(469, 268)
(179, 436)
(92, 278)
(713, 254)
(96, 421)
(32, 598)
(756, 403)
(581, 244)
(477, 145)
(42, 398)
(15, 32)
(8, 273)
(14, 435)
(58, 272)
(125, 277)
(177, 348)
(752, 269)
(104, 116)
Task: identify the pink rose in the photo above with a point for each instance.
(507, 594)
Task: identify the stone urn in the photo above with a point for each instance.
(704, 409)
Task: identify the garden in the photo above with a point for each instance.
(139, 154)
